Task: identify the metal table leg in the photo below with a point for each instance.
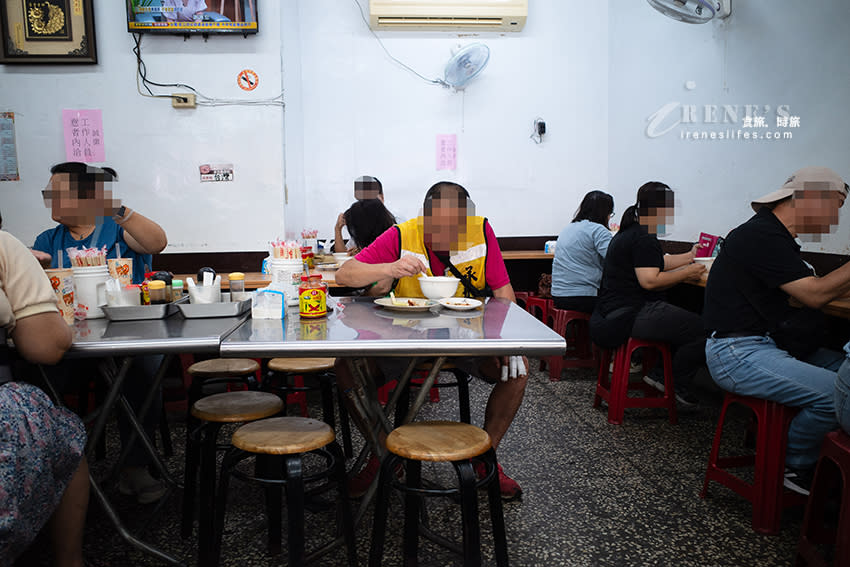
(138, 419)
(112, 396)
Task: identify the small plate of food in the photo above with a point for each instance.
(411, 304)
(460, 303)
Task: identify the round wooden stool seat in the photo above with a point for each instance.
(231, 407)
(282, 436)
(438, 441)
(223, 367)
(305, 365)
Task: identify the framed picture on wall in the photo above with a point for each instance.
(47, 31)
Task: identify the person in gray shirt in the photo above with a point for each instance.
(580, 253)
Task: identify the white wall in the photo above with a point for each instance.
(781, 52)
(595, 71)
(157, 149)
(363, 114)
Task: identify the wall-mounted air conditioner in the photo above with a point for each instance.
(448, 15)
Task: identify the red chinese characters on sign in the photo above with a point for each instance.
(83, 135)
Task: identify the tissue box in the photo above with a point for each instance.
(549, 247)
(268, 303)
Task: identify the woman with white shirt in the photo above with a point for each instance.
(580, 253)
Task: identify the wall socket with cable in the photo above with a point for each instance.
(183, 100)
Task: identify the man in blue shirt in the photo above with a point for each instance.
(88, 216)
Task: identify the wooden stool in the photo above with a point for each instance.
(581, 354)
(616, 390)
(439, 441)
(213, 412)
(243, 370)
(286, 439)
(833, 470)
(286, 376)
(766, 492)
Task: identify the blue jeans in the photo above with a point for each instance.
(755, 366)
(842, 392)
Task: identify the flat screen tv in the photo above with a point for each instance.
(192, 16)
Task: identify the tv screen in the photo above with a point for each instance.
(192, 16)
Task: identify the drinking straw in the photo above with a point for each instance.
(117, 250)
(61, 260)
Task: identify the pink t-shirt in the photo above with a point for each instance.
(387, 248)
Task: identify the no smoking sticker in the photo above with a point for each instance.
(247, 80)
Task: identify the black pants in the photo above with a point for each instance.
(584, 303)
(683, 329)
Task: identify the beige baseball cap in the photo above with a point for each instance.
(808, 178)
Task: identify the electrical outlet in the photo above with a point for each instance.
(183, 100)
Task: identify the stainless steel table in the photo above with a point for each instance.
(100, 338)
(359, 328)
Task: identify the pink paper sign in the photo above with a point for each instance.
(447, 151)
(83, 135)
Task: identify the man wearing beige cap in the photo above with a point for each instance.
(758, 344)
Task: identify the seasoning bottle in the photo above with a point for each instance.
(312, 296)
(177, 290)
(237, 282)
(146, 295)
(156, 289)
(167, 277)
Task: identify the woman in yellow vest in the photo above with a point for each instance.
(447, 239)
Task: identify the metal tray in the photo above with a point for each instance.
(142, 312)
(203, 310)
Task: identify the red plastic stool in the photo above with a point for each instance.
(834, 465)
(616, 390)
(766, 492)
(539, 307)
(521, 298)
(581, 353)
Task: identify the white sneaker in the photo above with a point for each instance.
(634, 368)
(654, 383)
(137, 481)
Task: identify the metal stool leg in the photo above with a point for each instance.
(190, 480)
(413, 471)
(270, 467)
(206, 504)
(295, 509)
(345, 506)
(231, 457)
(382, 503)
(463, 395)
(469, 514)
(494, 498)
(345, 424)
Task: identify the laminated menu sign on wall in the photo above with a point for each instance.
(83, 135)
(8, 152)
(447, 151)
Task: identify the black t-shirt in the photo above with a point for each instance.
(743, 284)
(631, 248)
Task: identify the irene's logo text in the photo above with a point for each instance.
(700, 122)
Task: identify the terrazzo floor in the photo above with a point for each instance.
(594, 495)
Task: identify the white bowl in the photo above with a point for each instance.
(707, 262)
(438, 287)
(341, 257)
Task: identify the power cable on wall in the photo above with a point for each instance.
(202, 99)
